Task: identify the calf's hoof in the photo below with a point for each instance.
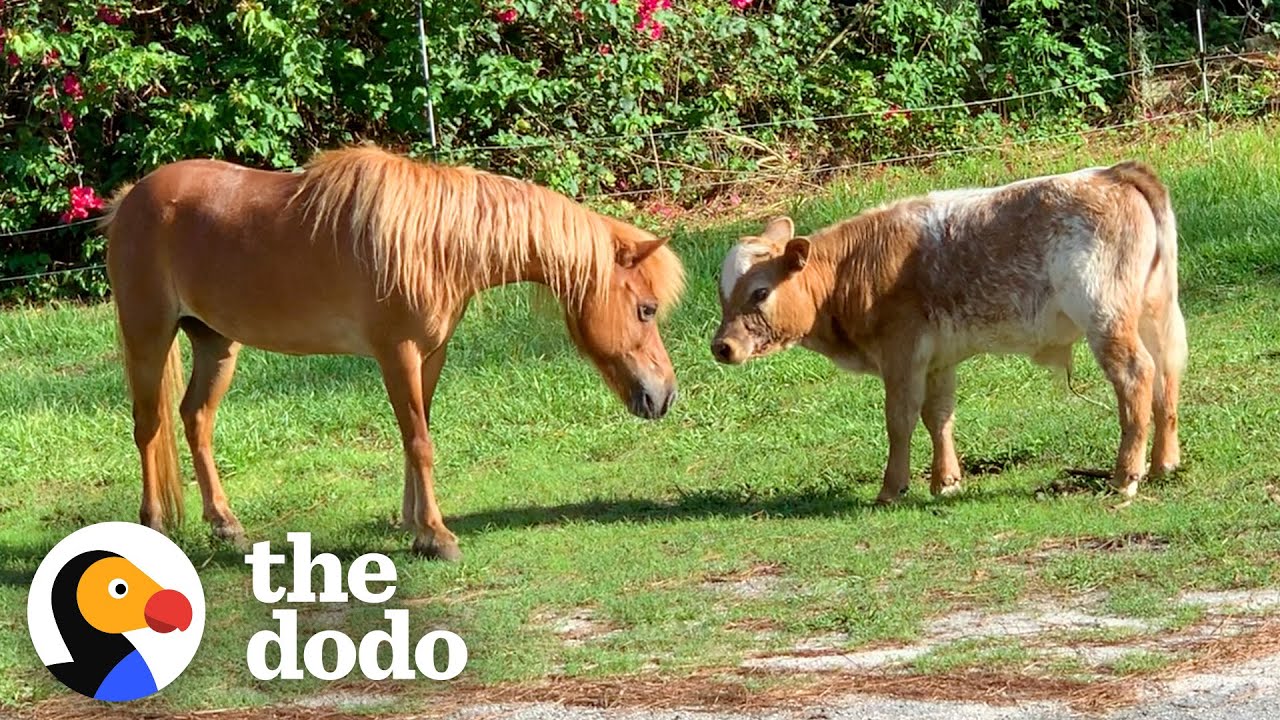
(1164, 469)
(432, 549)
(945, 487)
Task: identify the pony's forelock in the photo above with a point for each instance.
(664, 273)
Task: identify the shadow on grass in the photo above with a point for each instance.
(716, 504)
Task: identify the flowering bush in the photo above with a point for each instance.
(588, 96)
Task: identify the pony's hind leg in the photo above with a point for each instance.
(1165, 336)
(1129, 367)
(402, 373)
(213, 363)
(152, 365)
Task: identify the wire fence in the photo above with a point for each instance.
(597, 142)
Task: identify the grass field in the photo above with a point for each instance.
(567, 507)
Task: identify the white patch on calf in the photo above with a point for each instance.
(736, 264)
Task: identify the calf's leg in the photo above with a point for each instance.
(903, 398)
(1165, 336)
(1130, 369)
(939, 417)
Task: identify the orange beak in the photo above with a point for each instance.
(168, 610)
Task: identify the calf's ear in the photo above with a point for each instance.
(796, 256)
(779, 230)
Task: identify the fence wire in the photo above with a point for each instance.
(596, 142)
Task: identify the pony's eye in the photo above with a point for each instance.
(648, 311)
(118, 588)
(759, 294)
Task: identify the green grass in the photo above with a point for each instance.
(1142, 662)
(562, 501)
(985, 654)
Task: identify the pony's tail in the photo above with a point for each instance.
(109, 214)
(168, 473)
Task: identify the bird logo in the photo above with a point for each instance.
(116, 611)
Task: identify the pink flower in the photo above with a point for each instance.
(578, 15)
(83, 199)
(646, 22)
(68, 120)
(740, 4)
(50, 58)
(13, 59)
(109, 16)
(506, 16)
(71, 86)
(606, 49)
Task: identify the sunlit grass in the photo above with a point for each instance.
(563, 502)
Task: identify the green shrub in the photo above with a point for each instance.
(588, 96)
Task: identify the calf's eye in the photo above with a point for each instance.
(759, 294)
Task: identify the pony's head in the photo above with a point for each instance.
(617, 326)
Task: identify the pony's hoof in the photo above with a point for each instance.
(232, 534)
(434, 550)
(889, 496)
(946, 488)
(1164, 469)
(1126, 486)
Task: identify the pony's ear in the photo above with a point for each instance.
(634, 247)
(796, 256)
(779, 230)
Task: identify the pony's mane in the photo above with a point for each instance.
(435, 233)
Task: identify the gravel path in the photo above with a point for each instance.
(1249, 691)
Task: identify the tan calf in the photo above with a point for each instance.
(909, 290)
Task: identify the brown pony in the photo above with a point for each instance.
(363, 253)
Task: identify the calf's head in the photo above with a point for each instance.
(764, 301)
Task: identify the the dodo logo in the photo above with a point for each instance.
(116, 611)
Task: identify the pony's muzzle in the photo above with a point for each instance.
(651, 401)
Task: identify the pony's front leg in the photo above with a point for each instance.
(413, 504)
(402, 373)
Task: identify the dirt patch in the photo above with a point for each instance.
(755, 625)
(1086, 482)
(346, 699)
(1126, 542)
(749, 691)
(755, 582)
(995, 464)
(820, 661)
(783, 682)
(579, 627)
(1233, 600)
(968, 625)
